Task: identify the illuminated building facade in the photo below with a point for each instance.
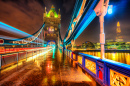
(52, 22)
(88, 45)
(119, 38)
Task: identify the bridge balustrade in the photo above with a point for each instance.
(106, 72)
(10, 57)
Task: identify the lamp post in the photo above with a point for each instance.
(101, 10)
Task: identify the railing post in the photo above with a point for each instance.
(5, 50)
(83, 61)
(72, 55)
(106, 74)
(39, 53)
(42, 51)
(96, 69)
(32, 55)
(36, 53)
(67, 52)
(17, 58)
(26, 56)
(76, 56)
(0, 62)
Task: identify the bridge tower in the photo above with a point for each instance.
(52, 22)
(119, 38)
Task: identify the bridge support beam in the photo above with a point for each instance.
(63, 48)
(73, 42)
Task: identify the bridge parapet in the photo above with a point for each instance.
(106, 72)
(13, 56)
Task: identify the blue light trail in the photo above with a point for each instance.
(9, 28)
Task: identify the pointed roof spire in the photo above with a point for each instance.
(118, 24)
(45, 10)
(52, 7)
(59, 11)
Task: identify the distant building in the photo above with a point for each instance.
(109, 40)
(110, 44)
(119, 38)
(118, 43)
(97, 45)
(127, 45)
(88, 45)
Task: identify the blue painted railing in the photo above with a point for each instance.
(105, 72)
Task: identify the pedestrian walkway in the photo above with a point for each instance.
(51, 69)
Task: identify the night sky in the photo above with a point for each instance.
(27, 15)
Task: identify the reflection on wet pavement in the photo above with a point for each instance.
(51, 69)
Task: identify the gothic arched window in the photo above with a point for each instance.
(52, 14)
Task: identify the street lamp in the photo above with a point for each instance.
(110, 9)
(101, 10)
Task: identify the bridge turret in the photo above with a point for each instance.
(59, 15)
(52, 22)
(44, 15)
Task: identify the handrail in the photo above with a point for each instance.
(17, 53)
(105, 72)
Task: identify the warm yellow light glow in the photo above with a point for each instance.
(53, 78)
(45, 81)
(113, 56)
(10, 54)
(128, 59)
(118, 24)
(116, 56)
(28, 59)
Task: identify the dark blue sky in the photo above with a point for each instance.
(121, 12)
(27, 15)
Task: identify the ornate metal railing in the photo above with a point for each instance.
(105, 72)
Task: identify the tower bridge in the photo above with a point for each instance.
(52, 22)
(27, 61)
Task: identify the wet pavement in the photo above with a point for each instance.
(51, 69)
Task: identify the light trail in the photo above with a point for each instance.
(5, 27)
(9, 29)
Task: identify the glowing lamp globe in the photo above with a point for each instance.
(110, 9)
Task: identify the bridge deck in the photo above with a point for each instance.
(50, 69)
